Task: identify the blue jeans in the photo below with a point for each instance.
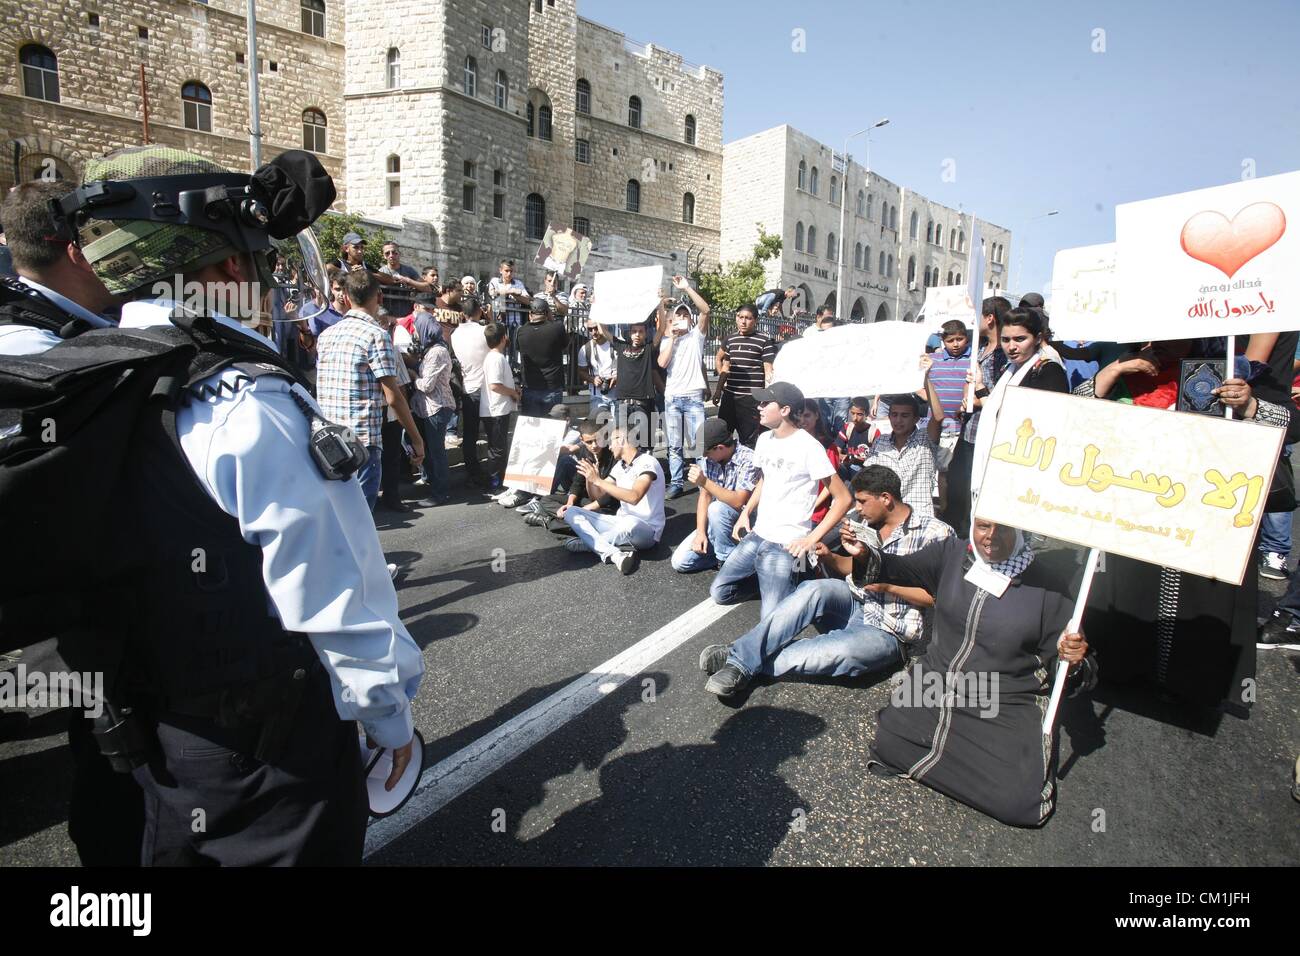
(606, 534)
(538, 402)
(370, 473)
(1275, 527)
(775, 568)
(606, 401)
(846, 647)
(764, 302)
(683, 414)
(566, 466)
(722, 518)
(835, 412)
(436, 472)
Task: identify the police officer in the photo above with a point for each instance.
(260, 621)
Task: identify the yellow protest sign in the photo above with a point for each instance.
(1177, 489)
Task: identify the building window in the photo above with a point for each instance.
(498, 194)
(811, 246)
(866, 258)
(881, 270)
(690, 130)
(196, 103)
(893, 218)
(485, 36)
(929, 231)
(938, 234)
(544, 122)
(583, 104)
(803, 174)
(857, 256)
(958, 278)
(93, 20)
(313, 131)
(582, 151)
(530, 129)
(835, 190)
(502, 90)
(871, 200)
(889, 272)
(950, 282)
(633, 196)
(40, 73)
(961, 244)
(688, 208)
(914, 225)
(582, 225)
(798, 237)
(469, 78)
(534, 216)
(313, 17)
(394, 179)
(634, 112)
(832, 250)
(469, 192)
(537, 5)
(862, 203)
(911, 271)
(812, 181)
(393, 69)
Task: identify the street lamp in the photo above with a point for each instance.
(844, 196)
(1020, 251)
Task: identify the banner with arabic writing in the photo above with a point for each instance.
(1084, 306)
(1177, 489)
(880, 358)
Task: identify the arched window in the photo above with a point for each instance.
(961, 241)
(857, 255)
(469, 78)
(394, 179)
(938, 234)
(912, 227)
(313, 17)
(866, 258)
(835, 190)
(871, 200)
(862, 202)
(950, 282)
(583, 104)
(859, 310)
(393, 73)
(690, 130)
(881, 270)
(803, 174)
(890, 271)
(811, 247)
(929, 231)
(812, 182)
(502, 90)
(882, 313)
(544, 119)
(832, 250)
(634, 112)
(196, 104)
(313, 131)
(911, 271)
(534, 216)
(633, 196)
(893, 218)
(958, 281)
(40, 73)
(688, 208)
(798, 237)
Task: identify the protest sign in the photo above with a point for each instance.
(626, 296)
(882, 358)
(1182, 490)
(1218, 261)
(946, 303)
(1084, 303)
(530, 466)
(975, 280)
(564, 250)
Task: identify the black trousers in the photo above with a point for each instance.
(497, 432)
(209, 802)
(469, 431)
(106, 810)
(394, 462)
(740, 412)
(957, 514)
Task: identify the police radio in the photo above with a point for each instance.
(335, 449)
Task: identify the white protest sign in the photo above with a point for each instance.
(1218, 261)
(975, 281)
(946, 303)
(1177, 489)
(882, 358)
(1084, 303)
(626, 296)
(534, 451)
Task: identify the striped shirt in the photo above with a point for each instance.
(736, 473)
(904, 620)
(746, 355)
(949, 377)
(351, 357)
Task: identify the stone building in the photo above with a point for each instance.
(897, 242)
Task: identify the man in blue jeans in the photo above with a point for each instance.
(725, 484)
(855, 639)
(792, 464)
(681, 356)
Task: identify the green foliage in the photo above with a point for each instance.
(333, 226)
(743, 281)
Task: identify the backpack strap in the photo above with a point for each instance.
(20, 304)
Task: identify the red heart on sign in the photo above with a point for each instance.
(1211, 238)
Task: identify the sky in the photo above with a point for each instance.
(1036, 109)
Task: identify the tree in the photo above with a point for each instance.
(744, 281)
(333, 226)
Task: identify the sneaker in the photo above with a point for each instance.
(713, 658)
(729, 680)
(627, 562)
(1273, 566)
(392, 571)
(512, 498)
(421, 482)
(576, 546)
(674, 491)
(537, 519)
(394, 505)
(451, 441)
(531, 506)
(1281, 630)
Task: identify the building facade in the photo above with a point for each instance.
(897, 243)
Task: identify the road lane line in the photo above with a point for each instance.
(449, 778)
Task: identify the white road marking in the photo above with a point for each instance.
(449, 778)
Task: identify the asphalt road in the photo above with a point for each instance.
(657, 771)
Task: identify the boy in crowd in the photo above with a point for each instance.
(726, 481)
(908, 451)
(948, 376)
(549, 512)
(853, 442)
(636, 389)
(497, 401)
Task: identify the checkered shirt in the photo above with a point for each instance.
(914, 465)
(905, 621)
(352, 356)
(735, 474)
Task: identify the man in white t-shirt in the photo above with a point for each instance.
(637, 482)
(791, 463)
(497, 401)
(596, 365)
(681, 355)
(469, 347)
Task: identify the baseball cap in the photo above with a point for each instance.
(715, 432)
(1031, 300)
(783, 393)
(353, 239)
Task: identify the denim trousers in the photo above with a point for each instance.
(683, 416)
(846, 647)
(605, 401)
(606, 534)
(835, 412)
(436, 471)
(756, 561)
(722, 518)
(538, 402)
(369, 475)
(1275, 526)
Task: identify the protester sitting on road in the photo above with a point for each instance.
(725, 482)
(967, 717)
(566, 465)
(637, 482)
(853, 442)
(892, 619)
(908, 451)
(791, 463)
(548, 512)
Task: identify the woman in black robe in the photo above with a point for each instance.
(983, 744)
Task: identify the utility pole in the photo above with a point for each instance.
(254, 114)
(844, 198)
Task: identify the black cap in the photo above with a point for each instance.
(783, 393)
(715, 432)
(540, 307)
(1031, 300)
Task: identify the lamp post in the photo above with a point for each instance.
(844, 196)
(1020, 252)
